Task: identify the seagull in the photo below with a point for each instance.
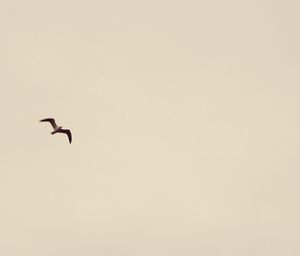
(58, 128)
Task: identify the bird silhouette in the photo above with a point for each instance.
(58, 129)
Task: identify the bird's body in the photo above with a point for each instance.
(58, 129)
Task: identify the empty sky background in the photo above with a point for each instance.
(185, 117)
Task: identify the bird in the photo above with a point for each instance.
(57, 128)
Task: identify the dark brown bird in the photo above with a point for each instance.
(58, 128)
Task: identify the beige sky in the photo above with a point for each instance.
(185, 117)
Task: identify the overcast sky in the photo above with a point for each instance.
(185, 121)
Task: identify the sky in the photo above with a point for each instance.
(185, 122)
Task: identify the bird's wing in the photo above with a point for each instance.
(68, 132)
(51, 121)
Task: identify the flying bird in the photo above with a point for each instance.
(58, 128)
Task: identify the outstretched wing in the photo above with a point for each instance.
(68, 132)
(51, 121)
